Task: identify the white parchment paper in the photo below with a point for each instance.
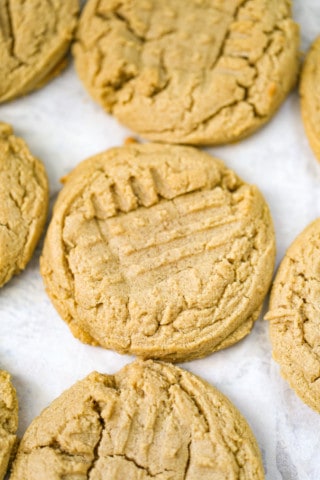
(63, 126)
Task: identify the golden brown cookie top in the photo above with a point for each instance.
(34, 37)
(8, 420)
(158, 250)
(294, 314)
(150, 420)
(310, 96)
(23, 203)
(188, 72)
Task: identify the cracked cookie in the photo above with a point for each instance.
(8, 420)
(23, 203)
(294, 314)
(150, 420)
(34, 39)
(310, 96)
(195, 72)
(159, 251)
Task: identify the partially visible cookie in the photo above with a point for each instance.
(192, 72)
(310, 96)
(159, 251)
(294, 316)
(150, 420)
(34, 39)
(8, 420)
(23, 203)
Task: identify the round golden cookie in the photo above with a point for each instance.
(159, 251)
(150, 420)
(23, 203)
(310, 96)
(188, 72)
(294, 315)
(34, 39)
(8, 420)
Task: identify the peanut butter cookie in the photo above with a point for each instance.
(34, 38)
(294, 316)
(310, 96)
(196, 72)
(8, 420)
(150, 420)
(159, 251)
(23, 203)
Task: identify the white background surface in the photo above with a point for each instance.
(63, 126)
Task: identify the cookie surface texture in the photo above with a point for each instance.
(23, 203)
(196, 72)
(159, 251)
(310, 96)
(150, 420)
(294, 314)
(8, 420)
(34, 39)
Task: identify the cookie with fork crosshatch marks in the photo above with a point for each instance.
(159, 251)
(149, 421)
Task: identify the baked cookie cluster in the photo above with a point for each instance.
(157, 250)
